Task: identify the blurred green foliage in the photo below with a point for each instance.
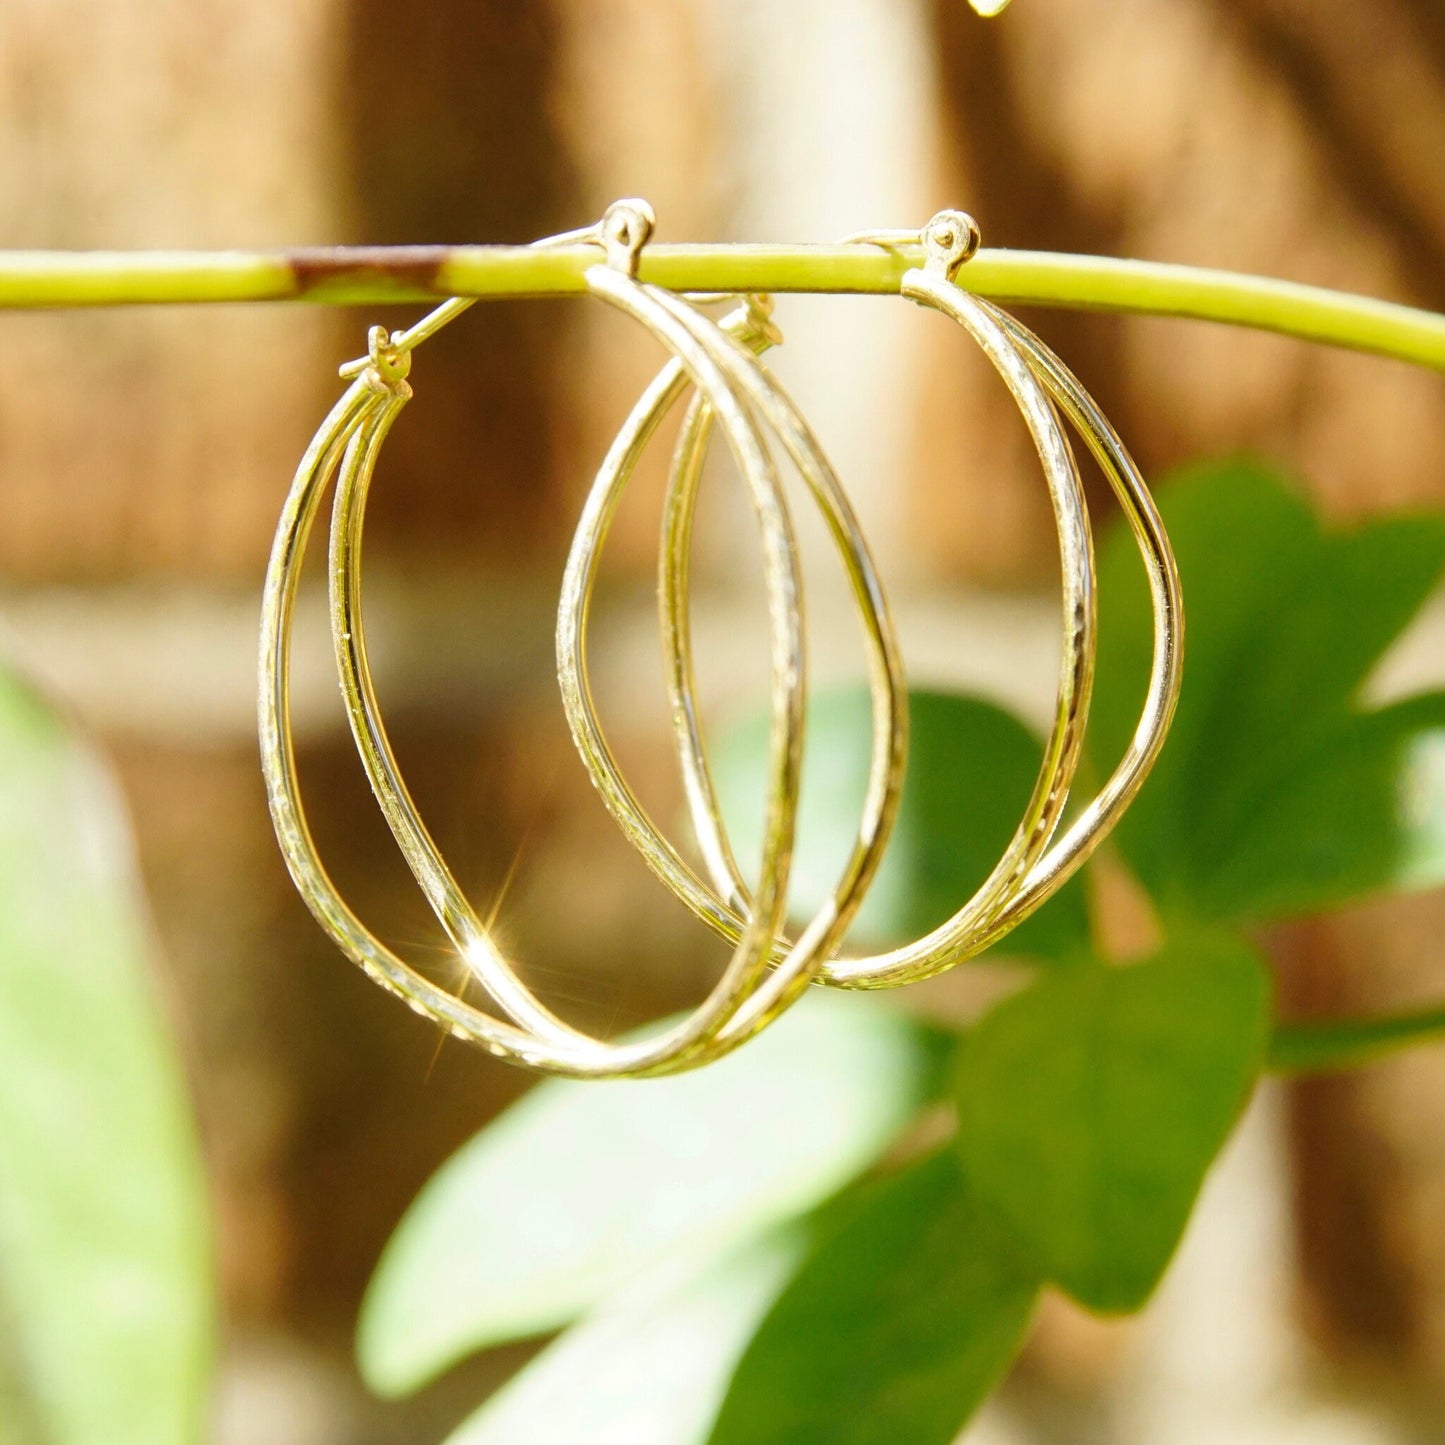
(903, 1316)
(105, 1276)
(1085, 1109)
(651, 1364)
(1090, 1105)
(580, 1187)
(1279, 791)
(839, 1233)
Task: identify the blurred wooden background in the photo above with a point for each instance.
(143, 455)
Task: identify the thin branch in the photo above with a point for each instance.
(1349, 1043)
(377, 275)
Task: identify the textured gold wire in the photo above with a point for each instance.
(885, 663)
(1031, 870)
(748, 995)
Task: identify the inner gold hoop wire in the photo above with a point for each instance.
(1030, 871)
(748, 996)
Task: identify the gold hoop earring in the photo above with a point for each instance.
(1035, 864)
(746, 331)
(748, 995)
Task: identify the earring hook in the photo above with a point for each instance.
(625, 228)
(948, 240)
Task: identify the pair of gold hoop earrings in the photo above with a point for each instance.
(736, 394)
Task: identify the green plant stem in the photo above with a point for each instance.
(374, 275)
(1349, 1043)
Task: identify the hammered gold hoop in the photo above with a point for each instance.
(748, 995)
(1035, 864)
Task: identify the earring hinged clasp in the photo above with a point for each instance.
(625, 228)
(948, 240)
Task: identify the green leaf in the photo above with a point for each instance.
(971, 768)
(1361, 810)
(1284, 623)
(651, 1365)
(1354, 593)
(579, 1187)
(901, 1321)
(1238, 534)
(105, 1286)
(1091, 1105)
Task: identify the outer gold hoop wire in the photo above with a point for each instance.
(825, 932)
(1094, 822)
(278, 759)
(753, 1004)
(724, 905)
(359, 424)
(1097, 818)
